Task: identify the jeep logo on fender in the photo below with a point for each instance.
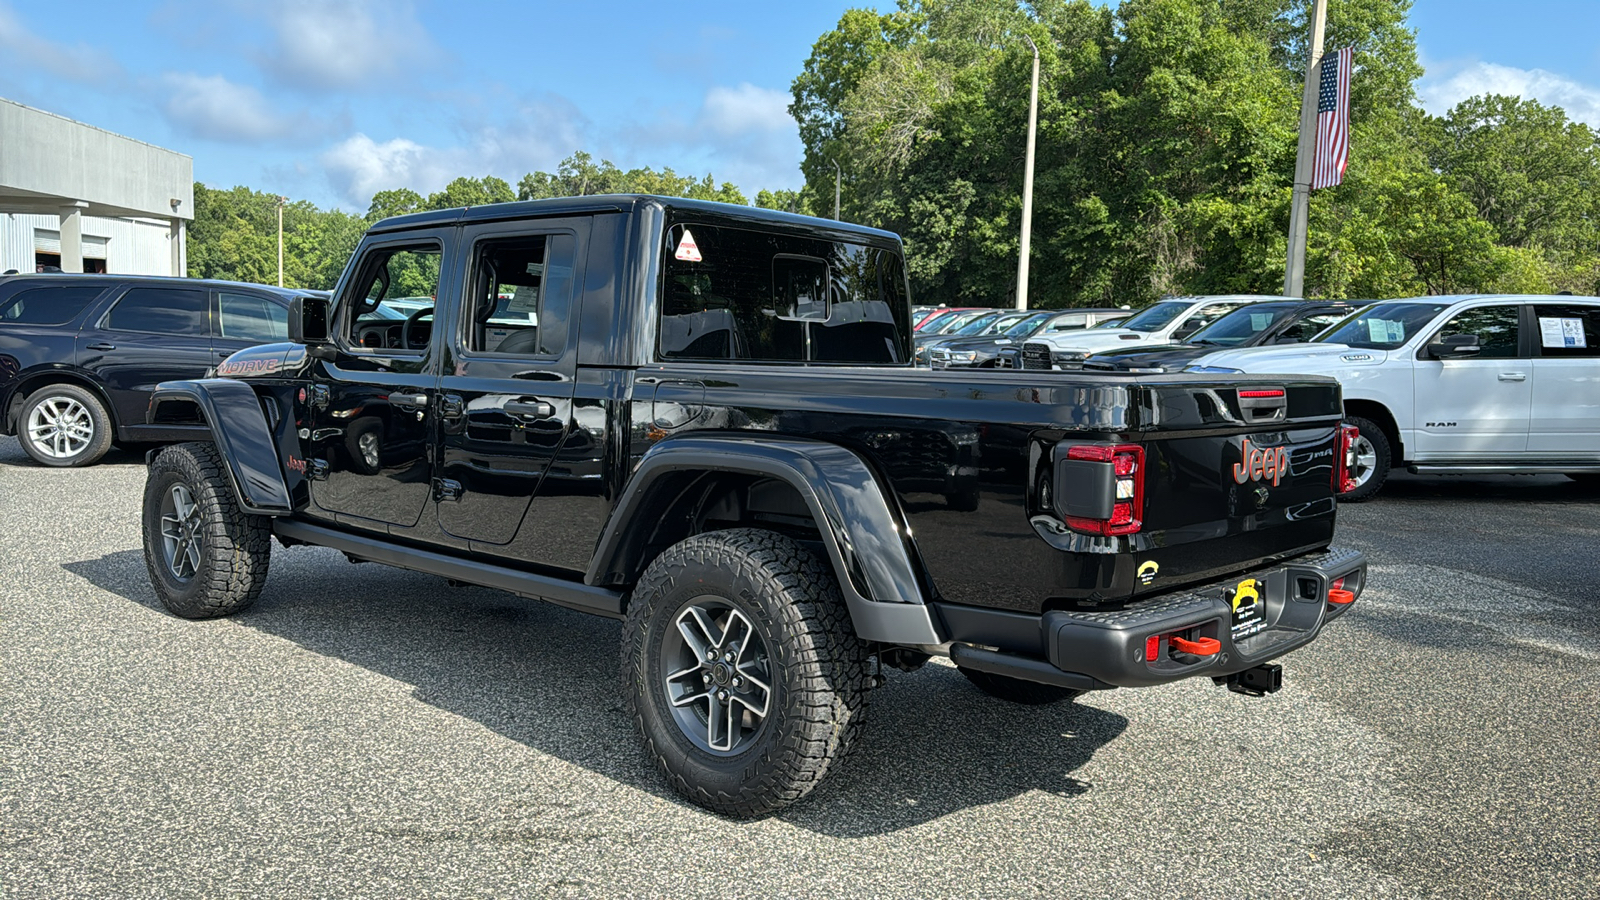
(1258, 464)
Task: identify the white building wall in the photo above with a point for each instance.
(133, 246)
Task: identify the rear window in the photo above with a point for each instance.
(162, 310)
(743, 295)
(47, 305)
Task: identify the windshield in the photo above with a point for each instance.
(1382, 327)
(954, 324)
(933, 325)
(1156, 317)
(1240, 325)
(978, 324)
(1004, 323)
(1026, 327)
(387, 313)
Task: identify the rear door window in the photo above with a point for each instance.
(47, 305)
(246, 317)
(162, 310)
(1567, 330)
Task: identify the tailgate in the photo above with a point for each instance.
(1236, 476)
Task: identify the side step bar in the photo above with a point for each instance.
(1541, 468)
(572, 594)
(1021, 667)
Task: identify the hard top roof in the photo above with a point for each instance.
(602, 203)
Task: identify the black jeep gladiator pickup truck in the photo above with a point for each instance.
(703, 420)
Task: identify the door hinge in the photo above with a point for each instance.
(446, 489)
(317, 469)
(319, 397)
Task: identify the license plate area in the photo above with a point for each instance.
(1248, 600)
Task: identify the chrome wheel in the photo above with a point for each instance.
(180, 533)
(60, 427)
(1365, 460)
(717, 675)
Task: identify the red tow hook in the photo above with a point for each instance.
(1199, 647)
(1341, 598)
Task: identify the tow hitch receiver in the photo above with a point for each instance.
(1259, 681)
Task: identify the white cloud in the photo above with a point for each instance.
(538, 134)
(746, 109)
(323, 44)
(212, 107)
(1581, 102)
(21, 48)
(740, 134)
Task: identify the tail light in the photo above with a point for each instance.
(1344, 459)
(1100, 487)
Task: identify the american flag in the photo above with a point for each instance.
(1333, 120)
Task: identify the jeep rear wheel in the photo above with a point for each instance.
(1015, 690)
(64, 425)
(206, 556)
(741, 670)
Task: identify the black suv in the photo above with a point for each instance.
(79, 354)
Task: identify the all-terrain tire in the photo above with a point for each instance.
(1015, 690)
(189, 503)
(1378, 473)
(64, 425)
(816, 668)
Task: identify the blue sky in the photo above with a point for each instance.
(331, 101)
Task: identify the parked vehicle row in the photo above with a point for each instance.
(80, 354)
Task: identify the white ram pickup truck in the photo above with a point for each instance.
(1165, 322)
(1455, 385)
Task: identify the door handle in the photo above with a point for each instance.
(530, 409)
(402, 398)
(1513, 376)
(224, 354)
(102, 345)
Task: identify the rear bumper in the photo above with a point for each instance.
(1135, 646)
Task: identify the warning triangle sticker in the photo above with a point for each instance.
(688, 251)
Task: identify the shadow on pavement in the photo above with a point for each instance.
(547, 677)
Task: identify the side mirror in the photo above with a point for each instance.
(1454, 346)
(308, 320)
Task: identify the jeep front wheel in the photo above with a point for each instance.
(741, 670)
(206, 556)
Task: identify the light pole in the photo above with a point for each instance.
(837, 174)
(1027, 182)
(1294, 272)
(281, 202)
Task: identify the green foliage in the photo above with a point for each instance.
(1166, 146)
(234, 232)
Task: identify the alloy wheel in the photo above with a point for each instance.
(1365, 462)
(181, 532)
(60, 427)
(717, 675)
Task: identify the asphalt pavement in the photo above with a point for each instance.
(369, 732)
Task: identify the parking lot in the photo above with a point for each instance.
(364, 731)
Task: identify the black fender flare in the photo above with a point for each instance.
(868, 544)
(239, 428)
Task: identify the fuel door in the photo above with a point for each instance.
(676, 404)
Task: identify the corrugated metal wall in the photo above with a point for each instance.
(132, 246)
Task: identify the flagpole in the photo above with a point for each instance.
(1294, 275)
